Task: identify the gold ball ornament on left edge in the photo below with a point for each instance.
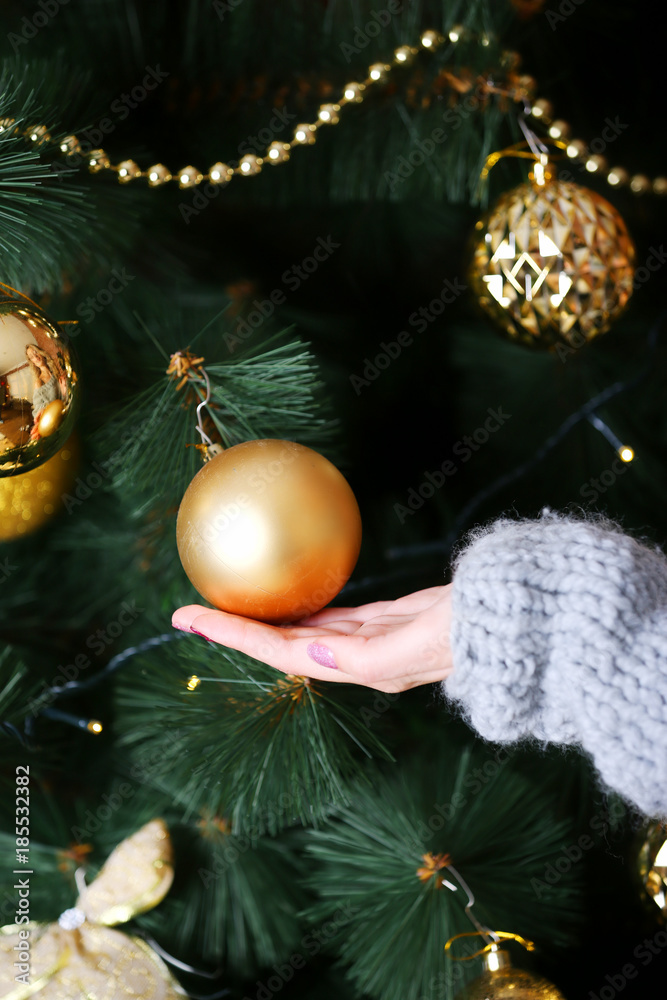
(270, 530)
(552, 263)
(33, 498)
(39, 387)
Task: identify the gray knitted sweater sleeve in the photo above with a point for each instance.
(559, 632)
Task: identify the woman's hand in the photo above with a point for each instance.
(390, 645)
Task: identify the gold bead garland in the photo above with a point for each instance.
(542, 111)
(250, 165)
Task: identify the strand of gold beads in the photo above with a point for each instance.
(542, 111)
(277, 152)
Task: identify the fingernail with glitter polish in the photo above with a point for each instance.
(321, 655)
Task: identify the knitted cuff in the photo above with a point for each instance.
(559, 631)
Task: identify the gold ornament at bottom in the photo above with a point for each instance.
(500, 981)
(81, 956)
(29, 500)
(269, 530)
(553, 263)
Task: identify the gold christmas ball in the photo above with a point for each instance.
(29, 500)
(552, 264)
(51, 418)
(269, 530)
(38, 387)
(501, 981)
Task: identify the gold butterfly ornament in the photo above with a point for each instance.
(81, 956)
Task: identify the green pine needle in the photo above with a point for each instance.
(250, 744)
(272, 389)
(500, 832)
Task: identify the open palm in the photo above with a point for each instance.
(389, 645)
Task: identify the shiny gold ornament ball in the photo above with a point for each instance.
(39, 387)
(508, 983)
(31, 499)
(51, 418)
(553, 264)
(269, 530)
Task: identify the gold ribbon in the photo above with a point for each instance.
(81, 956)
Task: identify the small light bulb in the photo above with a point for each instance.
(274, 154)
(94, 726)
(455, 34)
(492, 961)
(626, 454)
(300, 135)
(193, 682)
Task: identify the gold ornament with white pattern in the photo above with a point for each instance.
(80, 955)
(553, 262)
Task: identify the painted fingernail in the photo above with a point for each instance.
(321, 655)
(181, 628)
(191, 629)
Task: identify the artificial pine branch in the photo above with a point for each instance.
(270, 389)
(385, 856)
(259, 748)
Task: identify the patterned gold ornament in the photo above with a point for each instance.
(39, 386)
(81, 956)
(269, 530)
(29, 500)
(500, 981)
(553, 263)
(652, 864)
